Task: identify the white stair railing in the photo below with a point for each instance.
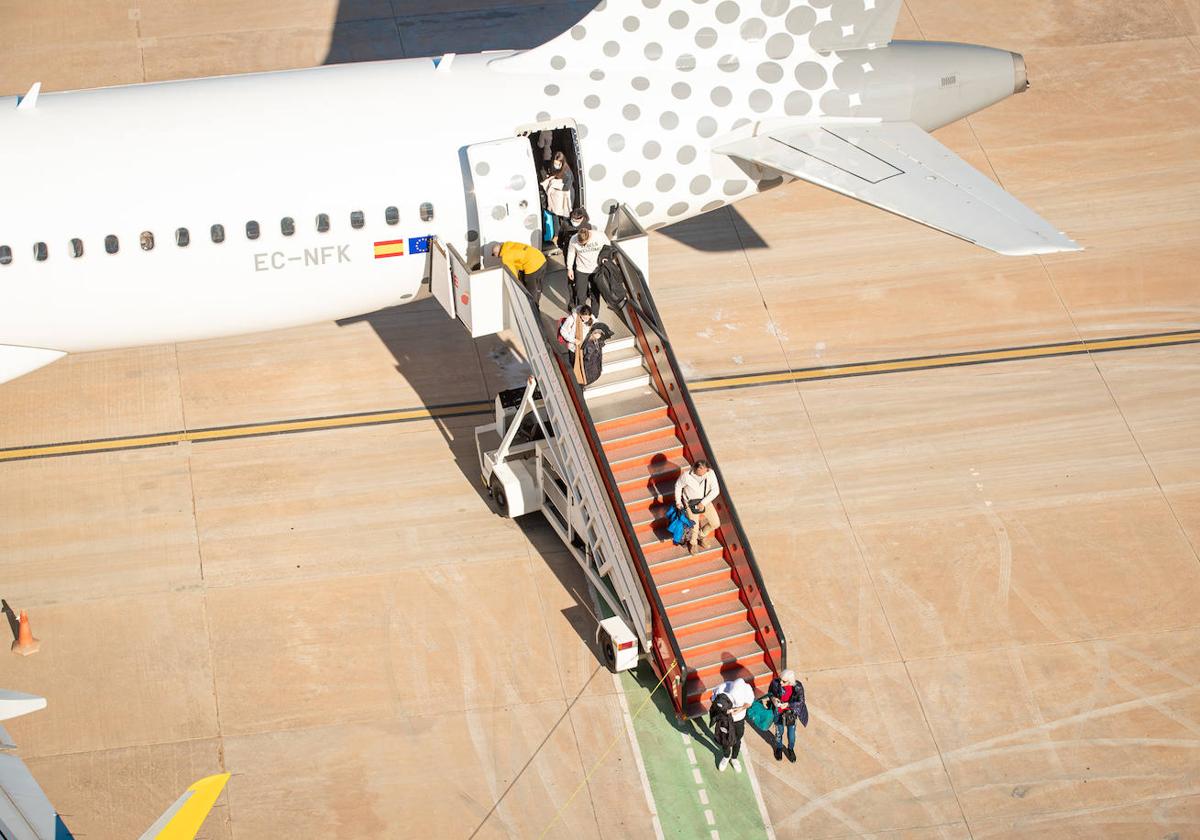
(606, 555)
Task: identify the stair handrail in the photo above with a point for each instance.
(661, 631)
(641, 309)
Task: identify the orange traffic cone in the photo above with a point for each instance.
(25, 643)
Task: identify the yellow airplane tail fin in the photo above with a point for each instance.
(183, 819)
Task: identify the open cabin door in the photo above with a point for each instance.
(506, 193)
(440, 282)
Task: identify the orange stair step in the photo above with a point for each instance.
(712, 592)
(698, 565)
(746, 658)
(699, 587)
(653, 487)
(662, 446)
(649, 508)
(699, 689)
(616, 427)
(644, 477)
(696, 617)
(646, 424)
(700, 646)
(662, 556)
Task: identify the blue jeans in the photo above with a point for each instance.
(791, 733)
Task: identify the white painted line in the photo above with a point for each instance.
(691, 756)
(762, 806)
(633, 741)
(703, 796)
(687, 739)
(714, 834)
(709, 818)
(696, 775)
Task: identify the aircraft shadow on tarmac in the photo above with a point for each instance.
(403, 330)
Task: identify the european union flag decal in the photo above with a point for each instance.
(418, 245)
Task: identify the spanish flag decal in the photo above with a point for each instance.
(390, 248)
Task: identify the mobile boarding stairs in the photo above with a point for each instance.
(600, 463)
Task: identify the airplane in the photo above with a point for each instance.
(187, 210)
(26, 813)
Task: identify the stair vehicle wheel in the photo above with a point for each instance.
(610, 652)
(617, 643)
(497, 493)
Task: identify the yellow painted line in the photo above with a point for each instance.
(832, 372)
(316, 424)
(949, 360)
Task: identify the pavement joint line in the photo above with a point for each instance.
(630, 730)
(478, 408)
(758, 797)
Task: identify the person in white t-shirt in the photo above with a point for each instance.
(695, 491)
(741, 696)
(582, 255)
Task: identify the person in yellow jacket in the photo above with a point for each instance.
(527, 264)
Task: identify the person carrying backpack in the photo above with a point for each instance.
(787, 695)
(592, 352)
(729, 723)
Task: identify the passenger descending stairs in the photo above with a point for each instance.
(699, 593)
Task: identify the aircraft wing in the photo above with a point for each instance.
(899, 167)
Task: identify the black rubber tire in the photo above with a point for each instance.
(498, 496)
(609, 650)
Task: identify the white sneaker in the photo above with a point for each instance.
(737, 766)
(725, 763)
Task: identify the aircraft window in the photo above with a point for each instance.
(218, 233)
(287, 225)
(252, 229)
(322, 222)
(182, 237)
(392, 215)
(111, 245)
(76, 248)
(146, 240)
(427, 212)
(5, 255)
(40, 251)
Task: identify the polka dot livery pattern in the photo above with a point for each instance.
(659, 84)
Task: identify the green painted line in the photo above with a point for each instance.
(670, 772)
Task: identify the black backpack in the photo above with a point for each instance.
(610, 279)
(721, 721)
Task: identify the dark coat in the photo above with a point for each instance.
(794, 699)
(593, 352)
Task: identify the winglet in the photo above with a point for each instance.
(183, 819)
(29, 101)
(15, 703)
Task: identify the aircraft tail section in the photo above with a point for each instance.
(725, 33)
(183, 819)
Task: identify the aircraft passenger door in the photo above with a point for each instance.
(439, 276)
(506, 193)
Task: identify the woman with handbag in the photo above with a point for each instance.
(787, 695)
(695, 491)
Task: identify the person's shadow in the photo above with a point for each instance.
(13, 624)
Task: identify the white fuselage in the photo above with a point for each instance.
(334, 140)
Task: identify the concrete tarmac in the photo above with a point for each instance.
(988, 573)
